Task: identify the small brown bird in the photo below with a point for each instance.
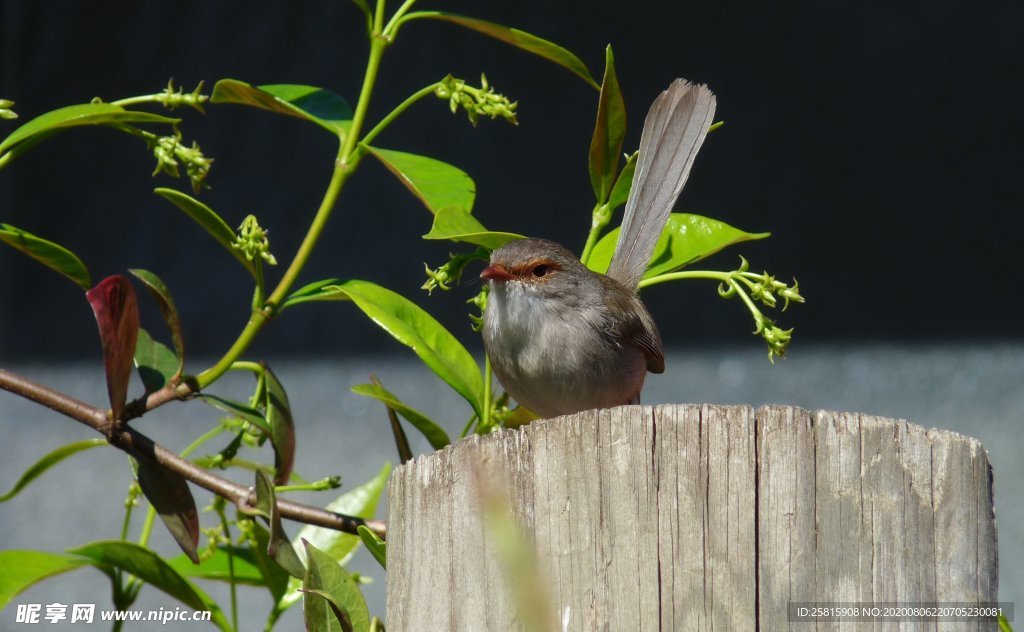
(562, 338)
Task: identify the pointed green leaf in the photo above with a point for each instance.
(320, 106)
(51, 255)
(279, 547)
(687, 238)
(165, 302)
(325, 574)
(77, 115)
(376, 546)
(312, 292)
(609, 131)
(117, 316)
(209, 220)
(235, 562)
(620, 192)
(437, 184)
(360, 502)
(415, 328)
(170, 495)
(239, 410)
(156, 363)
(152, 569)
(282, 426)
(433, 432)
(53, 458)
(692, 238)
(519, 39)
(458, 225)
(21, 569)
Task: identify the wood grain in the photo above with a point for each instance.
(687, 517)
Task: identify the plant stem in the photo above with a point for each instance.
(133, 442)
(395, 113)
(344, 165)
(600, 218)
(729, 278)
(714, 275)
(486, 419)
(146, 98)
(396, 19)
(231, 565)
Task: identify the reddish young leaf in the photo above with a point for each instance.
(117, 315)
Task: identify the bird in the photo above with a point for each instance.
(562, 338)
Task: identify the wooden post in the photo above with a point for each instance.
(687, 517)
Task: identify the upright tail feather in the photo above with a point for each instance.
(673, 132)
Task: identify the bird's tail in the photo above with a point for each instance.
(673, 132)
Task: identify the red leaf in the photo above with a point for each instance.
(117, 315)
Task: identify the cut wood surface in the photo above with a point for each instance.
(687, 517)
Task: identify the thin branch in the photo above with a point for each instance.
(134, 442)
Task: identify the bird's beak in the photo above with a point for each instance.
(496, 272)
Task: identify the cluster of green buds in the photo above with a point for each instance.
(215, 535)
(170, 152)
(252, 240)
(765, 289)
(450, 273)
(172, 98)
(477, 102)
(480, 302)
(6, 112)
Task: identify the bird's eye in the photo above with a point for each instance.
(540, 270)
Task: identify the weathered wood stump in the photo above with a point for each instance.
(695, 517)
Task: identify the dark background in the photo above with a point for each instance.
(879, 142)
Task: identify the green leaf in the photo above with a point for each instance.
(315, 623)
(76, 115)
(376, 546)
(282, 426)
(170, 496)
(21, 569)
(209, 220)
(519, 39)
(53, 458)
(623, 184)
(323, 107)
(326, 575)
(117, 316)
(437, 184)
(415, 328)
(152, 569)
(687, 238)
(279, 547)
(360, 502)
(457, 225)
(433, 432)
(311, 292)
(609, 131)
(240, 410)
(218, 567)
(276, 579)
(165, 302)
(51, 255)
(156, 363)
